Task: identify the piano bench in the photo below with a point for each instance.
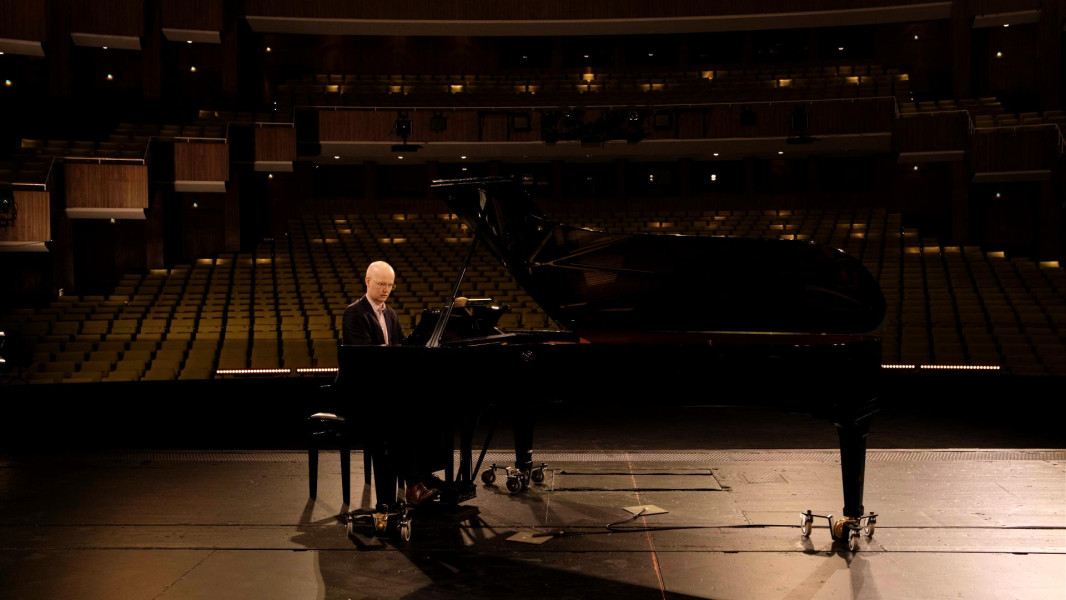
(328, 430)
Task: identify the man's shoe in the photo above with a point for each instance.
(418, 493)
(431, 481)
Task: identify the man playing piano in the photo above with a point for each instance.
(370, 322)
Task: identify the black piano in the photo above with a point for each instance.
(685, 320)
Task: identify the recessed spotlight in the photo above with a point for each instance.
(779, 152)
(915, 167)
(1006, 24)
(999, 55)
(110, 77)
(463, 157)
(192, 69)
(105, 47)
(112, 220)
(916, 36)
(714, 177)
(188, 41)
(400, 157)
(270, 175)
(716, 154)
(999, 195)
(335, 157)
(268, 49)
(840, 48)
(196, 205)
(463, 169)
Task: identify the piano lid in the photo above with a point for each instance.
(596, 282)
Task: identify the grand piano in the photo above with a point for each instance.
(683, 320)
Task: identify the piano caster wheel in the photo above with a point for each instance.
(853, 540)
(806, 524)
(404, 528)
(488, 476)
(514, 484)
(349, 526)
(537, 475)
(869, 525)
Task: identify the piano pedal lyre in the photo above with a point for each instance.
(517, 478)
(847, 528)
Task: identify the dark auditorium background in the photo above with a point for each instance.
(190, 190)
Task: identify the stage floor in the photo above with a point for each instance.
(956, 518)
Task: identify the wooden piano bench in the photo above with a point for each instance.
(328, 430)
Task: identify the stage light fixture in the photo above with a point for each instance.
(662, 120)
(8, 208)
(520, 122)
(403, 126)
(438, 122)
(748, 118)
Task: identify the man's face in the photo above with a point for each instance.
(379, 285)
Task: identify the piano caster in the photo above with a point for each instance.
(387, 522)
(517, 479)
(846, 528)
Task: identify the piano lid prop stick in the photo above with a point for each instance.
(446, 312)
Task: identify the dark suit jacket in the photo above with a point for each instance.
(361, 326)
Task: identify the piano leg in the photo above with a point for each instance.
(522, 426)
(852, 434)
(852, 431)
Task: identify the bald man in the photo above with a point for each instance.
(369, 321)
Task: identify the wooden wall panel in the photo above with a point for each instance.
(1016, 149)
(33, 222)
(201, 161)
(346, 126)
(110, 17)
(106, 185)
(24, 20)
(931, 132)
(772, 119)
(204, 15)
(548, 9)
(275, 143)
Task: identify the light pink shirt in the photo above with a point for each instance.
(379, 310)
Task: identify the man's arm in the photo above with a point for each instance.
(355, 329)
